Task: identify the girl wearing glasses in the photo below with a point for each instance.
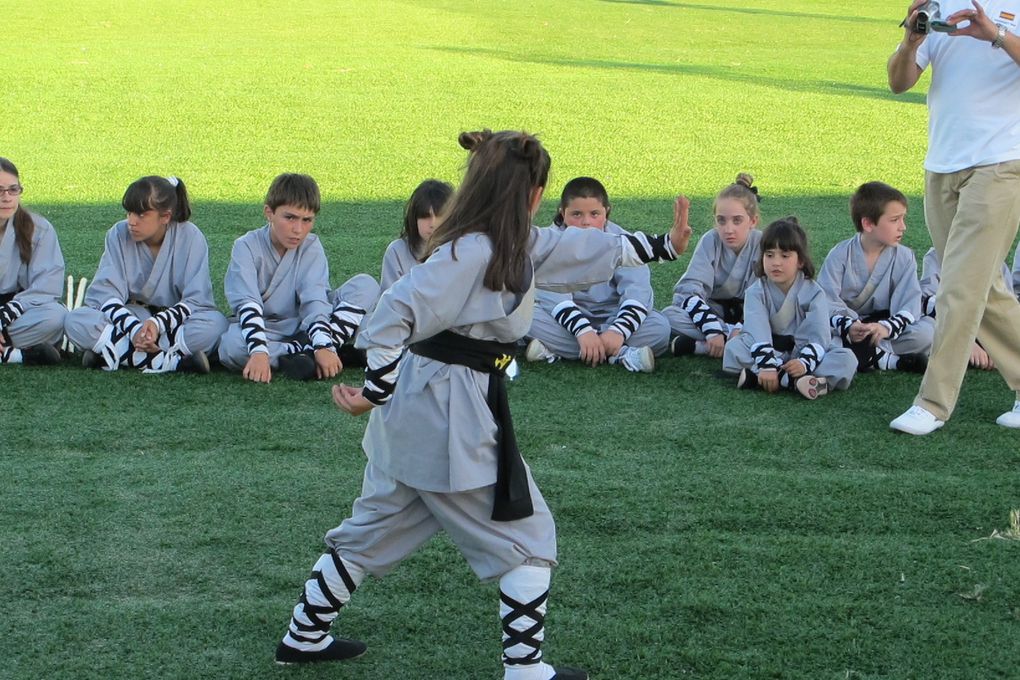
(31, 279)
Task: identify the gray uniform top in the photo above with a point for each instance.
(437, 432)
(716, 272)
(128, 272)
(397, 261)
(39, 281)
(806, 318)
(1016, 272)
(291, 289)
(893, 281)
(603, 300)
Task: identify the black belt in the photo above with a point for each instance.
(733, 309)
(513, 496)
(152, 309)
(877, 315)
(783, 343)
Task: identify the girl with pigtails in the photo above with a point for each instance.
(441, 450)
(150, 305)
(31, 279)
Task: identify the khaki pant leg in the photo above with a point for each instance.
(973, 217)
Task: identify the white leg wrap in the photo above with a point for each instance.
(329, 588)
(523, 593)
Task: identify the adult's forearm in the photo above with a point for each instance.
(902, 68)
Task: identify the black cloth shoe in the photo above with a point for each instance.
(299, 366)
(338, 650)
(567, 673)
(747, 380)
(682, 345)
(90, 359)
(912, 363)
(40, 355)
(194, 363)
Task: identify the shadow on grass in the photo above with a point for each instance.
(849, 17)
(355, 233)
(731, 74)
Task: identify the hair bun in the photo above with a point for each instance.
(746, 179)
(472, 140)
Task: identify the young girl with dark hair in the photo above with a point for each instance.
(150, 305)
(613, 321)
(785, 341)
(708, 300)
(421, 214)
(31, 279)
(440, 444)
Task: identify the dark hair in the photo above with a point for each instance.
(743, 190)
(157, 193)
(870, 200)
(428, 199)
(24, 227)
(581, 187)
(290, 188)
(503, 169)
(786, 234)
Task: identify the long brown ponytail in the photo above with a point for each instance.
(504, 168)
(24, 227)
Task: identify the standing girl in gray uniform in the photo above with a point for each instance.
(440, 444)
(613, 321)
(426, 202)
(150, 305)
(31, 279)
(708, 300)
(785, 341)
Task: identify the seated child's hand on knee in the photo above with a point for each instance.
(794, 368)
(769, 380)
(592, 351)
(611, 342)
(716, 343)
(327, 363)
(257, 369)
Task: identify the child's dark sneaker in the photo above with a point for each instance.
(338, 650)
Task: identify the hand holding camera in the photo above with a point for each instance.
(925, 17)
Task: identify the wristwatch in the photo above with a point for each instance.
(1000, 38)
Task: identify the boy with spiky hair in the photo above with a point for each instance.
(871, 281)
(277, 285)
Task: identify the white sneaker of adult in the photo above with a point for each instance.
(917, 420)
(1010, 418)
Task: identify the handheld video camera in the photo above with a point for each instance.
(929, 18)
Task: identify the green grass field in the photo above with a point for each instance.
(161, 527)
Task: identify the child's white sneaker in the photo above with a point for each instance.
(1010, 418)
(917, 420)
(637, 359)
(536, 351)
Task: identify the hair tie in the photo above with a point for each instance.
(754, 190)
(173, 181)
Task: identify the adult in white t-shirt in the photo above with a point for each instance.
(971, 193)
